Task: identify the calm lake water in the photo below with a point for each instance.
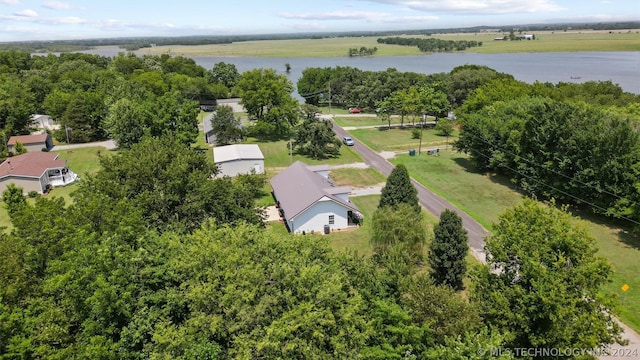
(622, 68)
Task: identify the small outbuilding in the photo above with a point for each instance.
(39, 142)
(232, 160)
(34, 171)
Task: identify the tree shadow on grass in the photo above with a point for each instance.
(626, 232)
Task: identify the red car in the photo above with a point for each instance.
(355, 110)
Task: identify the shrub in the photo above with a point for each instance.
(33, 194)
(415, 134)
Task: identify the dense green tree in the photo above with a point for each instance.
(83, 117)
(267, 99)
(13, 198)
(225, 126)
(445, 127)
(176, 117)
(466, 78)
(448, 251)
(399, 190)
(542, 282)
(150, 80)
(170, 183)
(433, 102)
(401, 227)
(16, 105)
(126, 122)
(316, 139)
(454, 318)
(225, 73)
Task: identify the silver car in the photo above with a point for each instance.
(348, 141)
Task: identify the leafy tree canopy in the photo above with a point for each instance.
(542, 281)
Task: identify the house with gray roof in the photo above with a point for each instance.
(309, 201)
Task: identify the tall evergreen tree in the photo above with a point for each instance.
(399, 190)
(448, 251)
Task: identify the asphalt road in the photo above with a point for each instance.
(430, 201)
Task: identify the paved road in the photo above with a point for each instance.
(430, 201)
(108, 144)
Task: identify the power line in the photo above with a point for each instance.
(551, 170)
(556, 189)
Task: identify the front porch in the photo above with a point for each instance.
(61, 177)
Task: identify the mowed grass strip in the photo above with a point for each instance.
(484, 196)
(346, 121)
(276, 155)
(357, 177)
(546, 41)
(395, 139)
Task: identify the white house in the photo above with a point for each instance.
(43, 122)
(232, 160)
(310, 201)
(33, 171)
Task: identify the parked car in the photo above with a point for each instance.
(355, 110)
(348, 141)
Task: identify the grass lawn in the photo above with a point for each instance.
(81, 161)
(368, 121)
(546, 41)
(276, 155)
(357, 177)
(400, 139)
(484, 197)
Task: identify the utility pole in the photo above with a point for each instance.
(329, 97)
(424, 117)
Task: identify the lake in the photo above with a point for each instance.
(622, 68)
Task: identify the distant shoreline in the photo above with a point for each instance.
(546, 41)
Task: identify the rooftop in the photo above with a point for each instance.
(298, 187)
(28, 139)
(237, 152)
(32, 164)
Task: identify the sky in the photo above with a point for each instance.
(22, 20)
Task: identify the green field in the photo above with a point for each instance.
(395, 139)
(546, 41)
(357, 177)
(346, 121)
(276, 155)
(485, 196)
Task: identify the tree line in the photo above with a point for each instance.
(94, 97)
(431, 44)
(578, 143)
(349, 87)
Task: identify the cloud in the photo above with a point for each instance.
(26, 13)
(378, 17)
(476, 7)
(56, 5)
(10, 2)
